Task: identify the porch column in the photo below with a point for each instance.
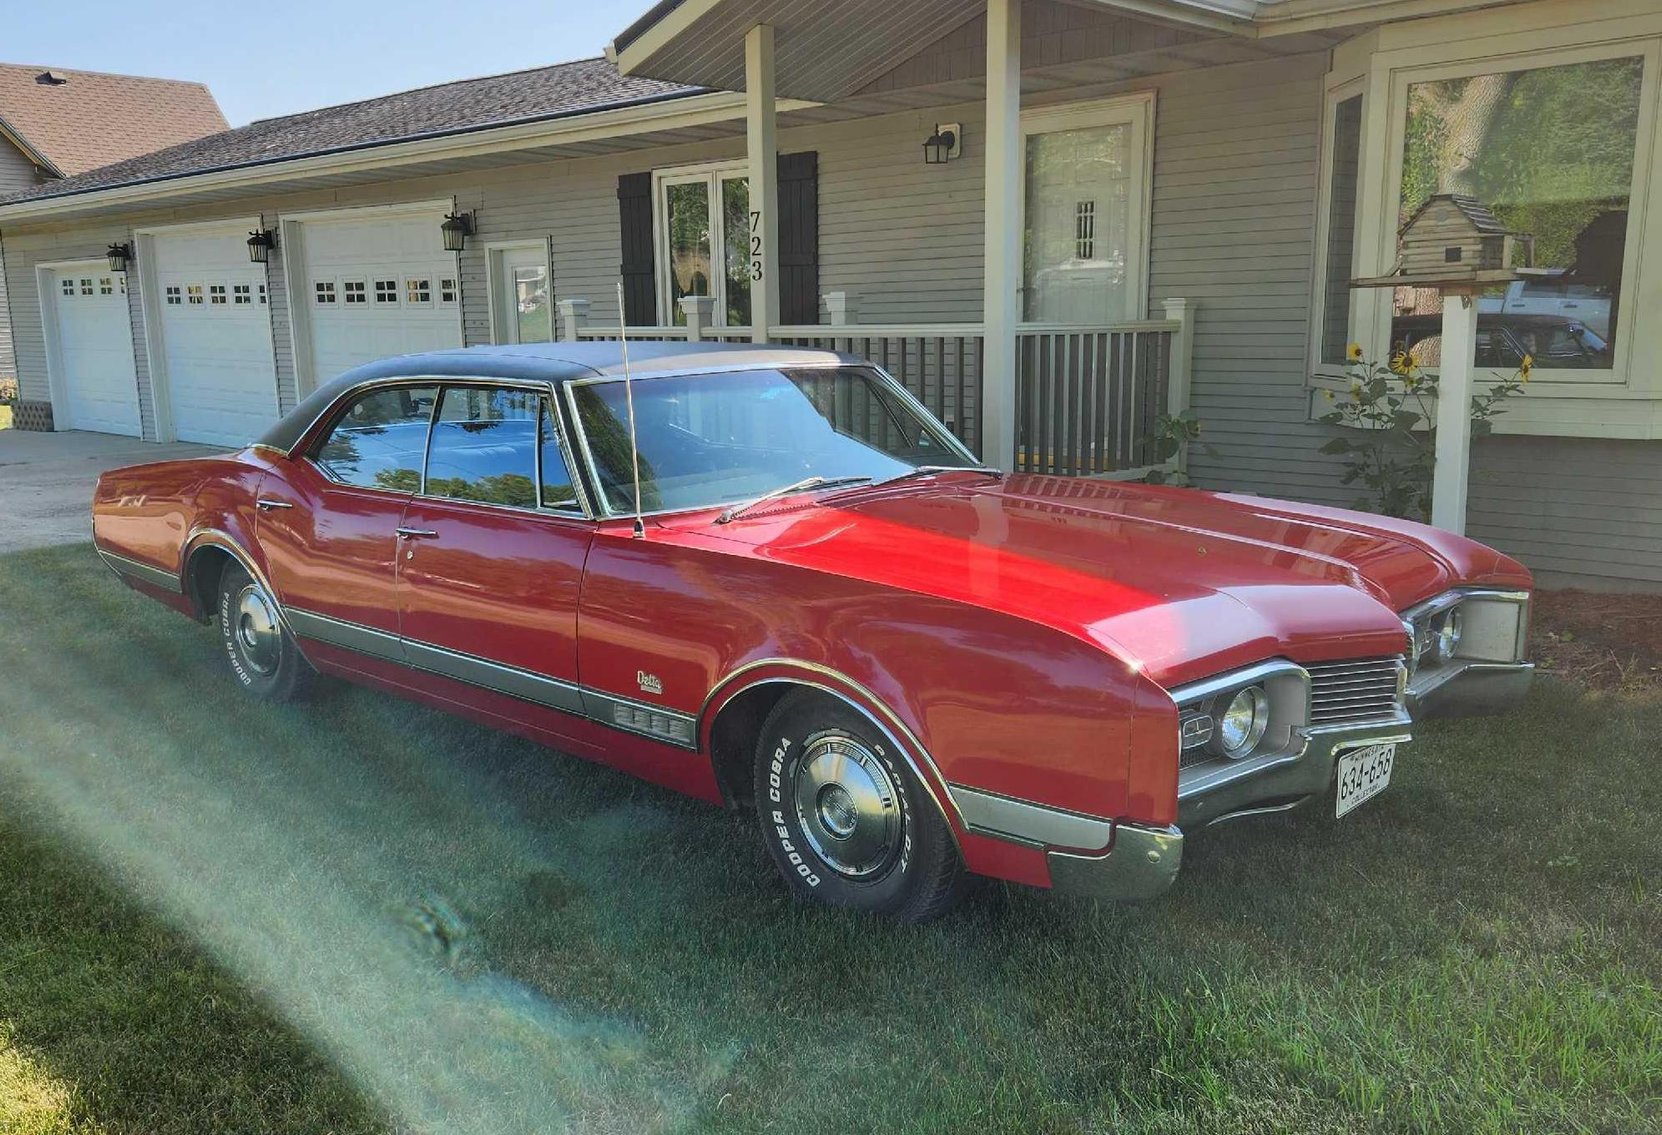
(1002, 248)
(762, 149)
(1454, 418)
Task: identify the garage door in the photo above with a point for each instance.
(216, 336)
(96, 379)
(378, 287)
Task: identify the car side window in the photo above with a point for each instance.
(484, 446)
(378, 443)
(557, 492)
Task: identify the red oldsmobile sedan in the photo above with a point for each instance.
(812, 601)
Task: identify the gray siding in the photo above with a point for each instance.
(1576, 510)
(17, 173)
(1234, 217)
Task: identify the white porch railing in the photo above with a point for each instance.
(1088, 398)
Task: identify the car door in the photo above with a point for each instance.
(328, 519)
(491, 558)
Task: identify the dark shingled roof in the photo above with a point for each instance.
(564, 89)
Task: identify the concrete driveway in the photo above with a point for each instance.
(46, 481)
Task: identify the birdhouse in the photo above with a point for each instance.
(1453, 235)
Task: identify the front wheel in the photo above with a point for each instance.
(264, 659)
(845, 818)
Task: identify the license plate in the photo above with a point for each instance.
(1363, 773)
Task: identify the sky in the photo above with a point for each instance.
(302, 54)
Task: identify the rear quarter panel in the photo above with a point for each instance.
(157, 514)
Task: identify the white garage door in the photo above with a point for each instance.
(96, 379)
(378, 287)
(216, 336)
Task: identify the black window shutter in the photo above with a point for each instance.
(634, 212)
(799, 238)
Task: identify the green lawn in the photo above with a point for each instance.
(219, 916)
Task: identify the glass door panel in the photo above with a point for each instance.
(687, 243)
(1080, 244)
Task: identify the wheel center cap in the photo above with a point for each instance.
(837, 811)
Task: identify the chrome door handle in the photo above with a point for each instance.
(416, 533)
(265, 505)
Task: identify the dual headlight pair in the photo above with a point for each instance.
(1242, 715)
(1476, 625)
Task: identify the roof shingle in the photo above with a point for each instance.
(450, 108)
(88, 119)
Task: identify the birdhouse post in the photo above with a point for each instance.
(1455, 244)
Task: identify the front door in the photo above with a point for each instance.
(1084, 198)
(491, 558)
(522, 298)
(328, 525)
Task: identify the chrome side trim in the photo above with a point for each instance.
(893, 729)
(526, 685)
(352, 636)
(1005, 817)
(522, 684)
(154, 576)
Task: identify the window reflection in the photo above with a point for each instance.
(1550, 150)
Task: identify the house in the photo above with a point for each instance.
(1053, 220)
(56, 123)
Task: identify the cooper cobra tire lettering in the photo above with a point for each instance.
(229, 640)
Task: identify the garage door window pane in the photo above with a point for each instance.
(1550, 151)
(378, 443)
(485, 446)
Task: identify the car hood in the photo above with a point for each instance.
(1178, 582)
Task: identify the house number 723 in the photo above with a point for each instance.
(755, 244)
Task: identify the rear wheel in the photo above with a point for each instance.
(263, 657)
(845, 818)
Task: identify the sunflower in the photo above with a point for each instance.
(1527, 365)
(1403, 363)
(1354, 352)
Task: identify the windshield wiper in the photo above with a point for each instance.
(801, 486)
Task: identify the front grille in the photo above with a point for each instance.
(1367, 689)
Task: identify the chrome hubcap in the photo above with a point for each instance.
(848, 806)
(257, 631)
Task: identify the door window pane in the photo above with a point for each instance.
(1551, 152)
(484, 446)
(1078, 204)
(379, 441)
(735, 216)
(531, 314)
(556, 478)
(1341, 228)
(687, 233)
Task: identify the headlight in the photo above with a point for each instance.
(1449, 630)
(1242, 723)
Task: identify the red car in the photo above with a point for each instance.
(813, 601)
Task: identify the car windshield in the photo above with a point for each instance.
(709, 440)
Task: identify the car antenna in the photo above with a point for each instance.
(629, 398)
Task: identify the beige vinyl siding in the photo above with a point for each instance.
(1584, 511)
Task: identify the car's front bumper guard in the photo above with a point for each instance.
(1471, 689)
(1142, 861)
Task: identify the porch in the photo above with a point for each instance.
(1088, 400)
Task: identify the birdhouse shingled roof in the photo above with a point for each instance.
(1474, 211)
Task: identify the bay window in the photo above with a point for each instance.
(1551, 127)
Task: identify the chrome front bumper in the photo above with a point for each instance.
(1142, 862)
(1472, 689)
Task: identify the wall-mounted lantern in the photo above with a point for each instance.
(943, 145)
(457, 228)
(120, 256)
(260, 244)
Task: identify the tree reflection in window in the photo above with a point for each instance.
(1551, 151)
(379, 441)
(484, 446)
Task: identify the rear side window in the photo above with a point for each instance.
(379, 441)
(484, 446)
(556, 478)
